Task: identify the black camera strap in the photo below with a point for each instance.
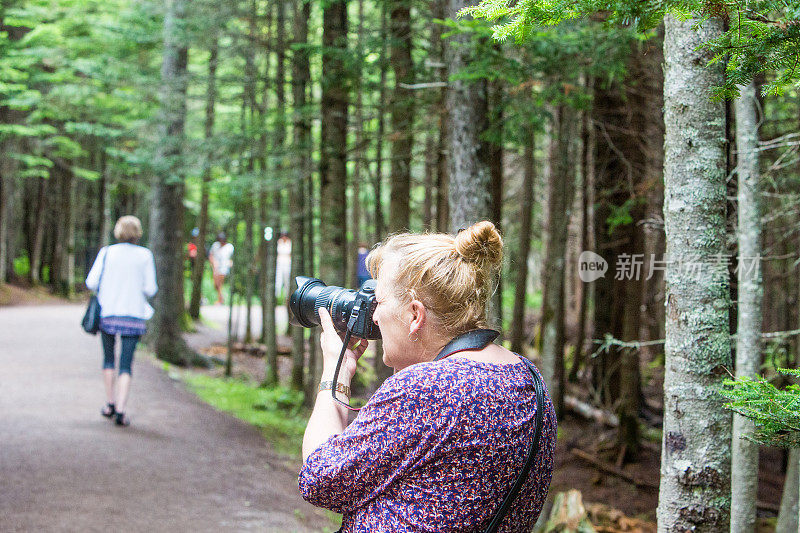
(478, 339)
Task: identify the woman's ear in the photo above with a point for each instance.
(417, 317)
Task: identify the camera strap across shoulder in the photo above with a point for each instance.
(478, 339)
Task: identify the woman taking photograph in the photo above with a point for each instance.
(124, 277)
(440, 443)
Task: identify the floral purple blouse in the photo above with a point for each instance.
(437, 448)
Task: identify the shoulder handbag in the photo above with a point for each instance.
(91, 319)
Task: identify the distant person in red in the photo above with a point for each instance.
(221, 258)
(191, 248)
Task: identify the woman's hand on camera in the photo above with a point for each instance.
(331, 343)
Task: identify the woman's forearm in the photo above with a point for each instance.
(328, 418)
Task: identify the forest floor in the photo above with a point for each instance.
(180, 466)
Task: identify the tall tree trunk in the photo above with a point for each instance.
(166, 216)
(202, 221)
(695, 461)
(526, 217)
(650, 101)
(470, 179)
(587, 184)
(298, 201)
(359, 154)
(105, 200)
(744, 465)
(789, 514)
(497, 91)
(382, 371)
(333, 149)
(59, 272)
(37, 240)
(437, 57)
(402, 113)
(560, 190)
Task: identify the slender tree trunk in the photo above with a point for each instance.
(380, 225)
(382, 371)
(37, 240)
(166, 216)
(526, 217)
(105, 200)
(298, 201)
(402, 114)
(496, 177)
(333, 149)
(439, 12)
(359, 152)
(587, 183)
(560, 189)
(695, 461)
(789, 514)
(202, 222)
(744, 465)
(470, 178)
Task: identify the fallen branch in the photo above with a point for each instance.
(772, 507)
(590, 412)
(611, 469)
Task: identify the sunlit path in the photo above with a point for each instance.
(180, 466)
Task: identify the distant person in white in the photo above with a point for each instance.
(124, 277)
(221, 258)
(284, 265)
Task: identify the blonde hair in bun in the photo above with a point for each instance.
(481, 244)
(451, 275)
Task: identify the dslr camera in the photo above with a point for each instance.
(350, 310)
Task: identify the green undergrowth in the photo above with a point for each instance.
(277, 411)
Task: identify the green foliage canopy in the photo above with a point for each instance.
(762, 36)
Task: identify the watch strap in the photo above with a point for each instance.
(340, 387)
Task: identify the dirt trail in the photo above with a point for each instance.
(180, 466)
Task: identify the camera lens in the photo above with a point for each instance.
(311, 294)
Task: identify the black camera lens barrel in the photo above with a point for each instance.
(312, 293)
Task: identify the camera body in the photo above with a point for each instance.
(349, 309)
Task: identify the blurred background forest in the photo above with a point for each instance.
(341, 122)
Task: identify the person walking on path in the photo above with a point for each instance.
(221, 258)
(124, 277)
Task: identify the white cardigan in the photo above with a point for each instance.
(129, 278)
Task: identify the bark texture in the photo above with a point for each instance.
(789, 514)
(469, 195)
(333, 149)
(526, 217)
(166, 215)
(202, 221)
(302, 177)
(744, 466)
(402, 113)
(560, 190)
(695, 462)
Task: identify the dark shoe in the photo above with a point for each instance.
(122, 420)
(109, 410)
